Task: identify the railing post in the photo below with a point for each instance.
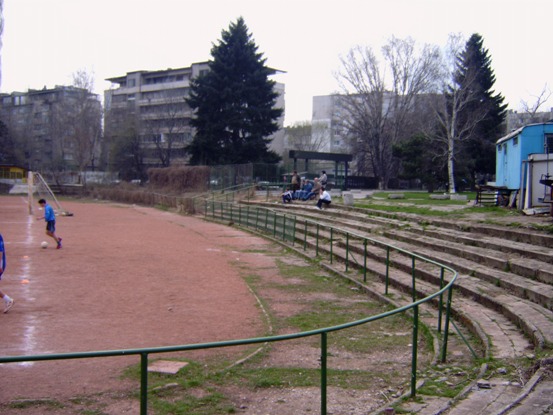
(364, 260)
(143, 383)
(440, 303)
(414, 290)
(414, 351)
(323, 371)
(305, 235)
(317, 242)
(331, 243)
(347, 251)
(294, 231)
(446, 325)
(387, 269)
(283, 227)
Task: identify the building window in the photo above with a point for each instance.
(118, 98)
(549, 143)
(131, 83)
(515, 141)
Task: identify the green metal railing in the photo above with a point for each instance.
(326, 240)
(290, 230)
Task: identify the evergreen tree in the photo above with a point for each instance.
(234, 103)
(474, 71)
(419, 160)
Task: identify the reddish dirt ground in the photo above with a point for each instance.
(126, 277)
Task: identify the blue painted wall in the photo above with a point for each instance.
(514, 148)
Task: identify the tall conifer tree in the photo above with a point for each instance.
(234, 103)
(474, 71)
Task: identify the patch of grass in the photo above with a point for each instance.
(275, 377)
(544, 228)
(441, 388)
(210, 403)
(47, 404)
(165, 208)
(407, 209)
(304, 377)
(447, 381)
(493, 211)
(92, 412)
(423, 198)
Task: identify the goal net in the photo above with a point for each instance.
(39, 189)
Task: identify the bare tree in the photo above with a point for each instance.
(532, 110)
(379, 112)
(305, 136)
(451, 104)
(87, 122)
(76, 127)
(126, 150)
(167, 126)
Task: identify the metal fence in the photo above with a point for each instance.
(337, 246)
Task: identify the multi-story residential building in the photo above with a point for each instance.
(157, 101)
(327, 122)
(57, 129)
(516, 120)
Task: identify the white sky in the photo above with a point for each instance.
(46, 41)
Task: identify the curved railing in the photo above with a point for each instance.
(290, 230)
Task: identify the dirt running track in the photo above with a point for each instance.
(127, 277)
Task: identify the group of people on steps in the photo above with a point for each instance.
(307, 190)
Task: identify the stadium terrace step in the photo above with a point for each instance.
(527, 278)
(504, 292)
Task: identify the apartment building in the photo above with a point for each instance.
(516, 120)
(157, 101)
(327, 122)
(46, 127)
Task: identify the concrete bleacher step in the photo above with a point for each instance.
(535, 288)
(468, 260)
(485, 284)
(504, 295)
(533, 251)
(503, 396)
(535, 262)
(523, 287)
(500, 336)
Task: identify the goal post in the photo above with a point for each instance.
(30, 187)
(38, 186)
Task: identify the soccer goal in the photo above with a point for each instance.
(37, 187)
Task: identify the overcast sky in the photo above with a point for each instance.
(46, 41)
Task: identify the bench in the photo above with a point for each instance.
(487, 195)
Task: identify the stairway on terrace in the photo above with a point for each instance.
(504, 292)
